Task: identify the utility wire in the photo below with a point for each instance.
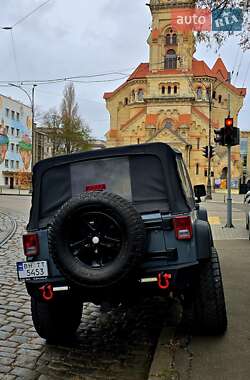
(71, 78)
(30, 13)
(15, 55)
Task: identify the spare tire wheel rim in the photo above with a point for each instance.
(98, 239)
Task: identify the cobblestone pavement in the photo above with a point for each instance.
(115, 345)
(7, 226)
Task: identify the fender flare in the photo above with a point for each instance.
(204, 239)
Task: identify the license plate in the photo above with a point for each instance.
(30, 270)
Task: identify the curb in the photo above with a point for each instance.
(161, 367)
(16, 195)
(11, 232)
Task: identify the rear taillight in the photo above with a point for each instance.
(31, 245)
(183, 228)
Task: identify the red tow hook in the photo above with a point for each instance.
(47, 292)
(164, 280)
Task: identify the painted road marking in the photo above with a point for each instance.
(214, 220)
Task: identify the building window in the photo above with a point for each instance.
(18, 116)
(171, 39)
(17, 132)
(6, 181)
(12, 131)
(169, 90)
(126, 101)
(12, 115)
(17, 148)
(171, 60)
(7, 112)
(133, 96)
(199, 93)
(208, 93)
(138, 141)
(163, 90)
(7, 129)
(6, 163)
(220, 98)
(17, 164)
(175, 89)
(140, 95)
(12, 164)
(197, 171)
(12, 147)
(198, 144)
(214, 94)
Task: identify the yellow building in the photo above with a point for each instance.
(168, 98)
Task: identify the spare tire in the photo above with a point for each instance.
(97, 239)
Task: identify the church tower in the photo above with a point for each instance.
(169, 48)
(168, 99)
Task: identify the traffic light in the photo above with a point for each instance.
(220, 136)
(229, 130)
(205, 150)
(212, 151)
(232, 134)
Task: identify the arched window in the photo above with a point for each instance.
(171, 38)
(208, 93)
(175, 89)
(140, 95)
(199, 93)
(197, 169)
(220, 98)
(168, 39)
(169, 90)
(163, 90)
(133, 95)
(174, 39)
(171, 59)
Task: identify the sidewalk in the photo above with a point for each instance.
(181, 356)
(6, 191)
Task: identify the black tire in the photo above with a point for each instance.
(111, 261)
(58, 320)
(206, 314)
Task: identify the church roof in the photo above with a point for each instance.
(199, 69)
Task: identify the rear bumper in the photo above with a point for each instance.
(156, 281)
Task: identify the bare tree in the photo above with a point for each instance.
(52, 121)
(75, 132)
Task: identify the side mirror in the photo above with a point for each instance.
(199, 191)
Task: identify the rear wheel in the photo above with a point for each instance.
(206, 314)
(58, 320)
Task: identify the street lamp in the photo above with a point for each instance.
(32, 103)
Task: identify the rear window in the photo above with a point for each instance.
(138, 179)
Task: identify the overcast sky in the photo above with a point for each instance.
(79, 37)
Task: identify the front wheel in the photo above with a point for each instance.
(206, 314)
(57, 320)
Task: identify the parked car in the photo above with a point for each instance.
(247, 210)
(113, 225)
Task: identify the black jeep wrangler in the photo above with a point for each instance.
(113, 225)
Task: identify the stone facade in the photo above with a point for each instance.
(168, 99)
